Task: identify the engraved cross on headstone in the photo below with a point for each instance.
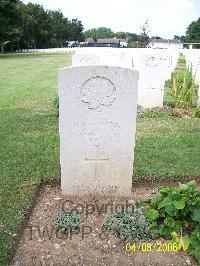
(97, 159)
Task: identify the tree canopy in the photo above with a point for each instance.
(103, 32)
(9, 17)
(99, 33)
(31, 26)
(144, 37)
(193, 32)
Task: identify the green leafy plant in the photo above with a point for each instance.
(188, 87)
(182, 242)
(190, 244)
(67, 220)
(183, 87)
(130, 227)
(56, 102)
(197, 112)
(56, 105)
(175, 208)
(181, 59)
(177, 82)
(194, 248)
(168, 83)
(176, 212)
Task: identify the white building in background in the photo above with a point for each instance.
(123, 42)
(165, 44)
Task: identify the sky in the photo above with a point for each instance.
(166, 18)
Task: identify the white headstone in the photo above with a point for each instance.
(109, 59)
(153, 72)
(85, 60)
(117, 58)
(97, 124)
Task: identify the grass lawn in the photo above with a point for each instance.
(165, 147)
(29, 135)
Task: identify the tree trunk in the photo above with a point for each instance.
(11, 48)
(34, 44)
(18, 47)
(2, 48)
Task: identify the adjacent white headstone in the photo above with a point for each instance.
(109, 59)
(153, 73)
(85, 60)
(118, 59)
(154, 65)
(98, 107)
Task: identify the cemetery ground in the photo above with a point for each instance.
(167, 148)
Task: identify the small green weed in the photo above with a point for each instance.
(129, 227)
(197, 112)
(56, 102)
(67, 220)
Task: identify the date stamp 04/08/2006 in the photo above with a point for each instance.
(151, 247)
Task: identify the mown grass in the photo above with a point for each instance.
(29, 135)
(165, 147)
